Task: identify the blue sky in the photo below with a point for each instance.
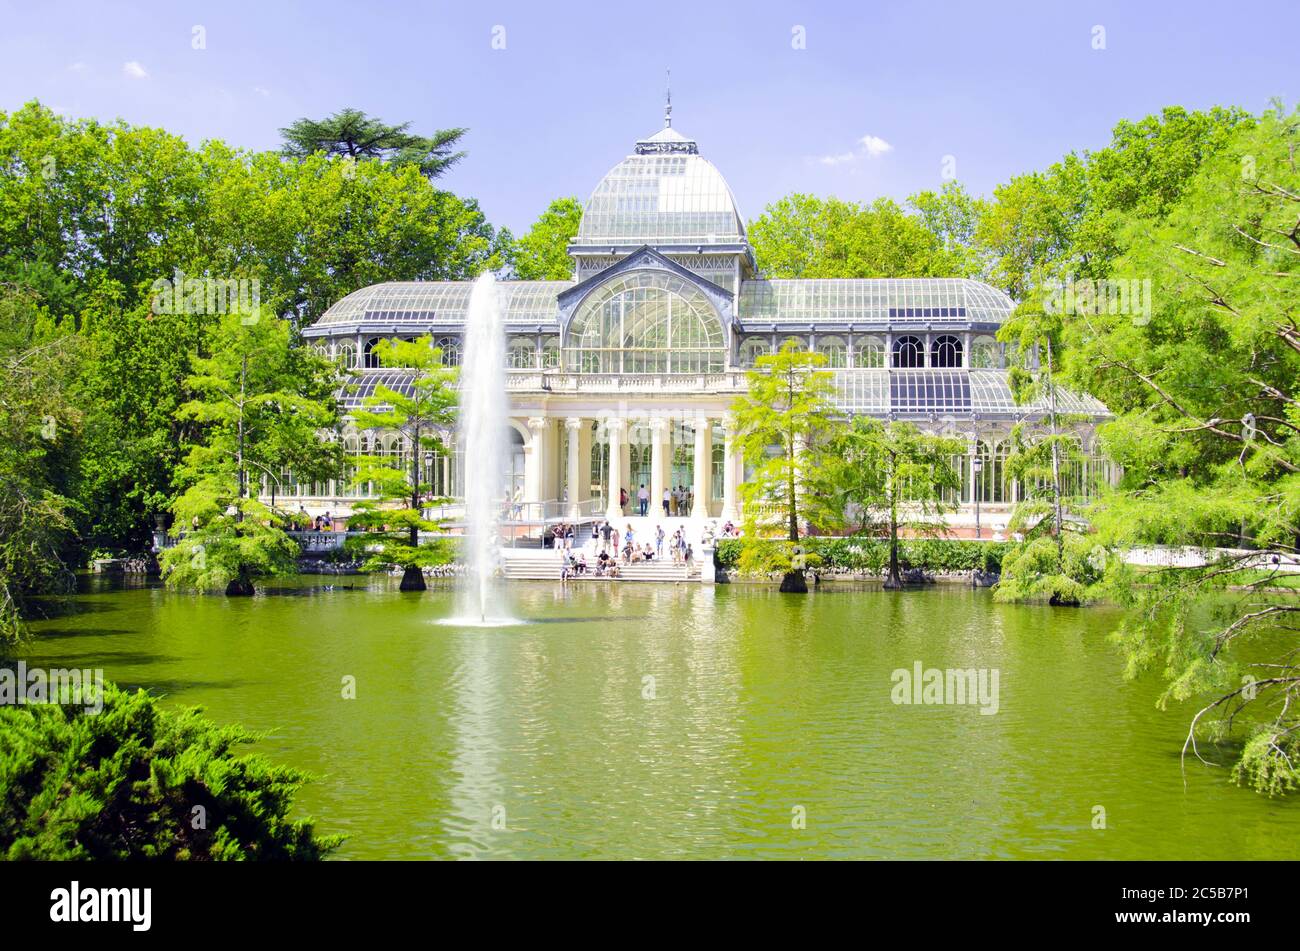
(877, 97)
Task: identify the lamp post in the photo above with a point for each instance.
(977, 466)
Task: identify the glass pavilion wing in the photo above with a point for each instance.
(526, 302)
(879, 300)
(878, 392)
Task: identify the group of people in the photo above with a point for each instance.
(321, 523)
(677, 500)
(609, 546)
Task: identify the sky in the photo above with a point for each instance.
(853, 98)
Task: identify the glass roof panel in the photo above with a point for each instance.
(883, 300)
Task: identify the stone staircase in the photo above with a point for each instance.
(532, 564)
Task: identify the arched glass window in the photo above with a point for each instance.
(909, 351)
(521, 353)
(869, 352)
(945, 351)
(834, 350)
(371, 360)
(646, 322)
(800, 345)
(752, 349)
(345, 355)
(984, 353)
(550, 353)
(450, 347)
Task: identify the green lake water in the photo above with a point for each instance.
(763, 708)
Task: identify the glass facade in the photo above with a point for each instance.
(646, 322)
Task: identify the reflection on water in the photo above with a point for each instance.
(670, 721)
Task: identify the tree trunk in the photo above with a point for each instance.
(1058, 519)
(412, 579)
(894, 579)
(240, 586)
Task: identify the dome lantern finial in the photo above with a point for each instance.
(668, 107)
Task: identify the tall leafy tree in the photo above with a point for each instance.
(253, 394)
(894, 477)
(542, 254)
(783, 423)
(38, 432)
(353, 134)
(1205, 392)
(420, 413)
(803, 236)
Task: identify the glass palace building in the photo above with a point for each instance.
(624, 375)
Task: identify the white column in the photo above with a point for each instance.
(703, 467)
(729, 509)
(659, 435)
(534, 459)
(614, 427)
(573, 428)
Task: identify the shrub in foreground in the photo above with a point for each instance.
(137, 782)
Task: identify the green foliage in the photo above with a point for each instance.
(38, 434)
(1037, 569)
(92, 215)
(861, 553)
(125, 783)
(1206, 402)
(395, 517)
(543, 253)
(804, 236)
(783, 423)
(1066, 222)
(261, 404)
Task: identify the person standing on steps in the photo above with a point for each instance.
(667, 496)
(643, 500)
(659, 540)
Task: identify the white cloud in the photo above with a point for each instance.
(262, 91)
(133, 70)
(838, 159)
(875, 146)
(77, 67)
(869, 147)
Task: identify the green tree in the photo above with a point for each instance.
(420, 413)
(893, 476)
(256, 394)
(125, 783)
(353, 134)
(542, 254)
(1208, 413)
(783, 424)
(1064, 222)
(93, 215)
(38, 432)
(803, 236)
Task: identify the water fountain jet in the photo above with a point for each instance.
(483, 421)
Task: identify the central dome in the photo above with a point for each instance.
(664, 194)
